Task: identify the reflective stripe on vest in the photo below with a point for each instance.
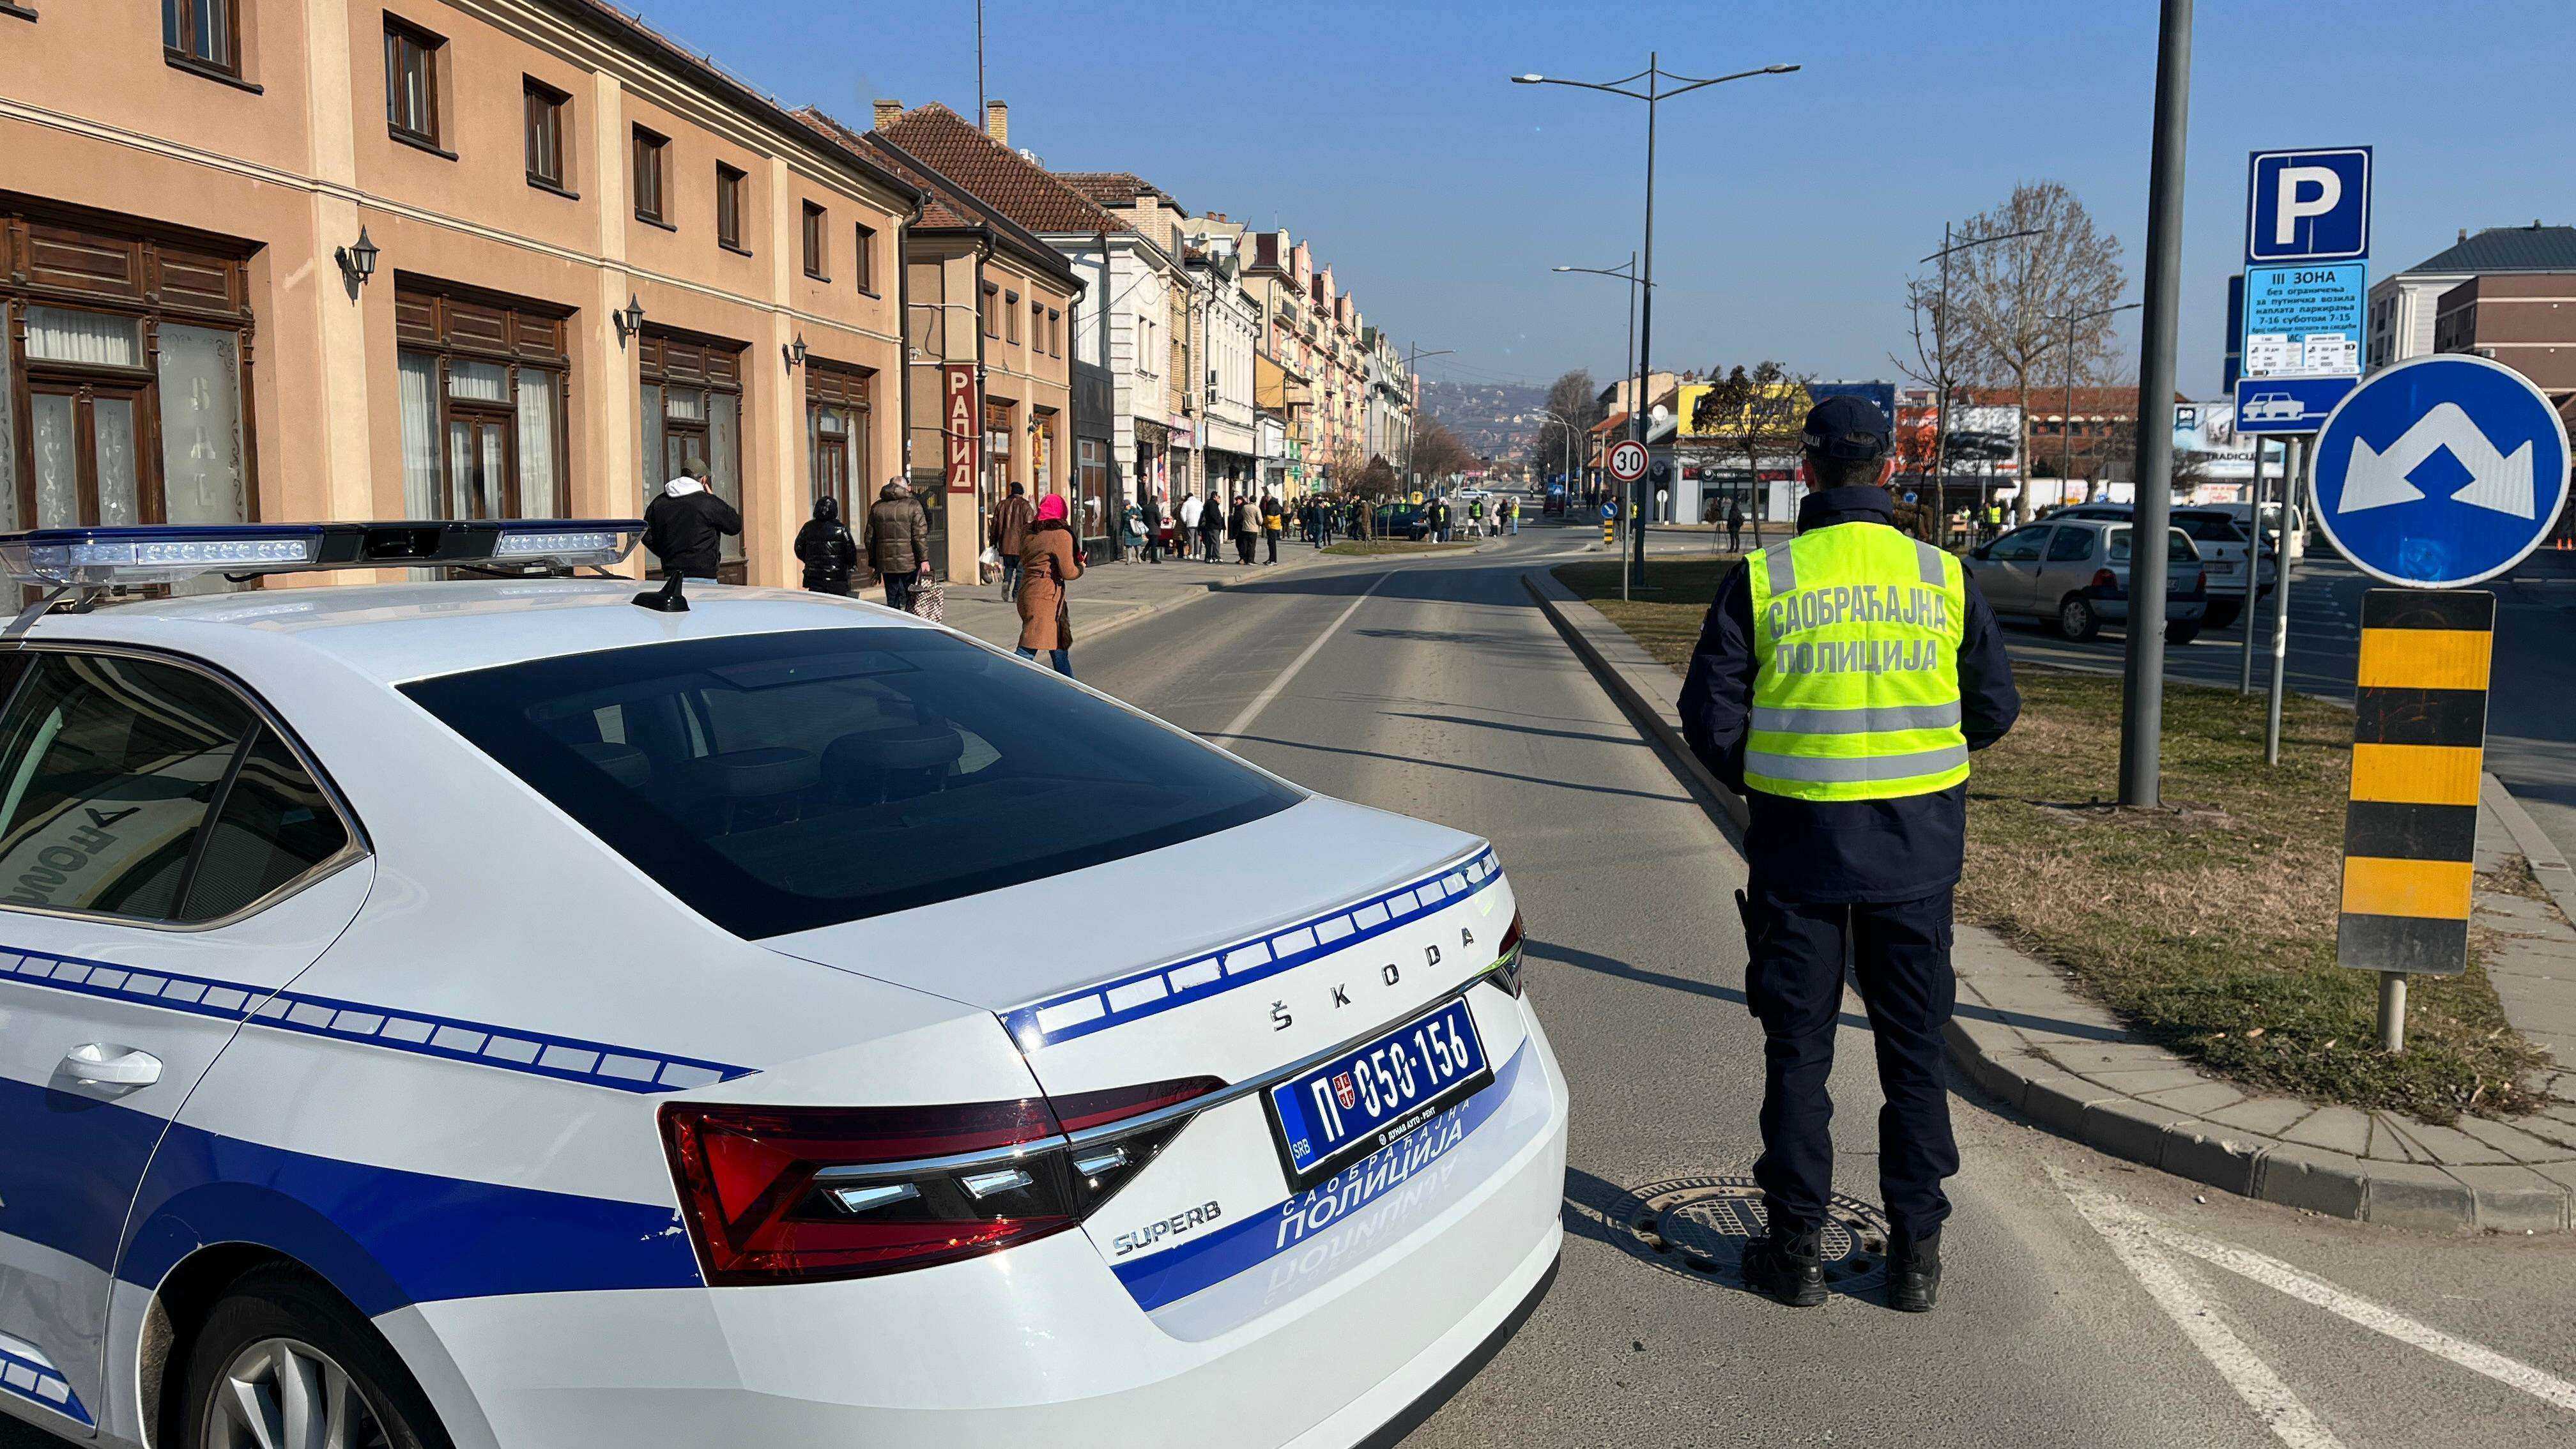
(1856, 629)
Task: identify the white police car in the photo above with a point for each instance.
(486, 1013)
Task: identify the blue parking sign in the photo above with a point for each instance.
(2308, 206)
(2441, 471)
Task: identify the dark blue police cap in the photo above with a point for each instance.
(1849, 428)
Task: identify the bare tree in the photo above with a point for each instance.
(2011, 300)
(1757, 415)
(1437, 453)
(1944, 360)
(1574, 396)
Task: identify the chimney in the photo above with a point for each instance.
(997, 121)
(2464, 233)
(887, 111)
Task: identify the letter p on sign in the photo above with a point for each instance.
(2308, 206)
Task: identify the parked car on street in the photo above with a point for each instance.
(2223, 546)
(2074, 573)
(487, 1013)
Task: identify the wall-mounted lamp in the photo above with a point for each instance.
(357, 263)
(795, 354)
(629, 319)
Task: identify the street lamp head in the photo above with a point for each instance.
(1778, 69)
(1533, 78)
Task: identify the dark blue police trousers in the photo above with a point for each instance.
(1794, 982)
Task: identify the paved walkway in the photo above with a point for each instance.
(1113, 595)
(2027, 1036)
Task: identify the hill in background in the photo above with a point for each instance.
(1497, 420)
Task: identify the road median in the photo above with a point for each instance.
(2162, 986)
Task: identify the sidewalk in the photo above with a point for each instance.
(2026, 1036)
(1112, 596)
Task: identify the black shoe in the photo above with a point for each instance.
(1914, 1275)
(1790, 1269)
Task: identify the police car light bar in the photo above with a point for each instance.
(110, 558)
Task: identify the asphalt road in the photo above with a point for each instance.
(2083, 1306)
(1446, 694)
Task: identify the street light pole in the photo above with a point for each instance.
(1415, 425)
(2066, 415)
(2143, 680)
(1654, 75)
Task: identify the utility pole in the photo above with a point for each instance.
(980, 118)
(1413, 355)
(2143, 681)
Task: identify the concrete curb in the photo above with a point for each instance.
(2548, 866)
(2072, 1068)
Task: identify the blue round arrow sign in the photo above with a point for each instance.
(2440, 471)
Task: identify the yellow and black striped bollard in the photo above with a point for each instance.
(2418, 750)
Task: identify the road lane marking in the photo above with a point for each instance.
(1262, 700)
(2135, 1245)
(2097, 1206)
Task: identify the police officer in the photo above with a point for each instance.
(1839, 683)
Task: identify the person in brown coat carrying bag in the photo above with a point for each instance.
(898, 543)
(1012, 519)
(1048, 561)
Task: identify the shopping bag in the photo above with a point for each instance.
(930, 600)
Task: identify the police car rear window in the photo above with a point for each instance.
(783, 782)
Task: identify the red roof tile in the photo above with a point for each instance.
(993, 173)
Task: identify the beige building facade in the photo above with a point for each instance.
(340, 260)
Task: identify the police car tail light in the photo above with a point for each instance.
(801, 1195)
(1114, 1133)
(1507, 970)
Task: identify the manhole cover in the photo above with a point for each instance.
(1698, 1226)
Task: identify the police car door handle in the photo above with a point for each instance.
(103, 1065)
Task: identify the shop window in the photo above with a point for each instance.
(201, 34)
(691, 411)
(545, 124)
(126, 407)
(729, 206)
(480, 384)
(652, 149)
(411, 83)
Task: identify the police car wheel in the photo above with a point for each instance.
(282, 1361)
(2076, 619)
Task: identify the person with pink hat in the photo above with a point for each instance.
(1049, 559)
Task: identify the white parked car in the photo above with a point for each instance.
(2227, 557)
(488, 1013)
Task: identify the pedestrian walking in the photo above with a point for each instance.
(826, 549)
(687, 525)
(1211, 526)
(1009, 530)
(1840, 682)
(1185, 539)
(1153, 529)
(1246, 518)
(1440, 520)
(1274, 522)
(1512, 516)
(898, 542)
(1048, 561)
(1132, 529)
(1735, 525)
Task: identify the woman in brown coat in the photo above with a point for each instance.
(1049, 560)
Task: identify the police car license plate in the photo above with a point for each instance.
(1376, 1092)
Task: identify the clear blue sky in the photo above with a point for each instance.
(1789, 209)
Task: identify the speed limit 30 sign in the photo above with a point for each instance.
(1628, 461)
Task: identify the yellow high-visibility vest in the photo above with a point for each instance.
(1856, 629)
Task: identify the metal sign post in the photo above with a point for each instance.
(1628, 460)
(2254, 579)
(2438, 474)
(2294, 451)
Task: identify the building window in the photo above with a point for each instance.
(201, 33)
(836, 435)
(128, 405)
(817, 239)
(1037, 327)
(1091, 475)
(990, 305)
(691, 411)
(867, 261)
(411, 83)
(1055, 333)
(729, 207)
(650, 150)
(1011, 315)
(545, 118)
(481, 393)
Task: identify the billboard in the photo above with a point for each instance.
(1783, 406)
(962, 425)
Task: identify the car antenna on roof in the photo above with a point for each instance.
(667, 599)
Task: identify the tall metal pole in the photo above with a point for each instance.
(1645, 329)
(2294, 470)
(2253, 577)
(2142, 686)
(2066, 414)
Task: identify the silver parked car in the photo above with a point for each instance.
(2219, 533)
(2074, 572)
